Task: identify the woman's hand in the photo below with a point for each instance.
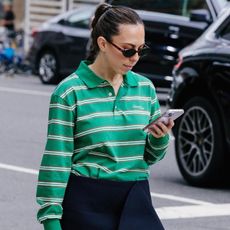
(160, 129)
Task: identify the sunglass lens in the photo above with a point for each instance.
(144, 51)
(129, 52)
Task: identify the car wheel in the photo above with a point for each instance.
(48, 67)
(199, 143)
(2, 67)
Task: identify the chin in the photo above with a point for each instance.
(123, 72)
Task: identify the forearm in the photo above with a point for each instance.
(155, 148)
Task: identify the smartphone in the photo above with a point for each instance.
(171, 113)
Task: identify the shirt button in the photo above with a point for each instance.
(110, 94)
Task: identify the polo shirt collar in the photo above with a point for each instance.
(92, 80)
(130, 79)
(88, 76)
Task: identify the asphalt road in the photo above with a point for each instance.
(23, 122)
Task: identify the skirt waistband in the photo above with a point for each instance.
(107, 182)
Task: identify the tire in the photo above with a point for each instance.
(199, 144)
(2, 67)
(48, 67)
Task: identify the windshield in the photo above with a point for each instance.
(223, 3)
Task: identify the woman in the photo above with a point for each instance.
(94, 172)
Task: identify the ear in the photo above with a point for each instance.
(101, 41)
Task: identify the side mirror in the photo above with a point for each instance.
(200, 15)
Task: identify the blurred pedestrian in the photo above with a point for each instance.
(95, 168)
(8, 19)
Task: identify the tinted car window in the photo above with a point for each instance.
(193, 5)
(176, 7)
(225, 34)
(166, 6)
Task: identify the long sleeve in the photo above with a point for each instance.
(155, 148)
(56, 163)
(52, 224)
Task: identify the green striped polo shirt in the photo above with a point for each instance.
(94, 133)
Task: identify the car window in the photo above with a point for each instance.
(223, 3)
(225, 33)
(193, 5)
(176, 7)
(74, 21)
(77, 20)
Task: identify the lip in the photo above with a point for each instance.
(128, 66)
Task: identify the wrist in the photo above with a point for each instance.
(158, 141)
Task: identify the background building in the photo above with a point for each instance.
(19, 10)
(30, 14)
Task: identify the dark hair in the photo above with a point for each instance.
(105, 23)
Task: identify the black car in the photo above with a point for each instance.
(60, 44)
(170, 26)
(201, 86)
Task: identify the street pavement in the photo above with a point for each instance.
(23, 122)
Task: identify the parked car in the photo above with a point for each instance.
(170, 26)
(59, 44)
(201, 86)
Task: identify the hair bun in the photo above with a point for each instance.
(101, 9)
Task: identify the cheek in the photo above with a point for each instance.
(118, 65)
(115, 60)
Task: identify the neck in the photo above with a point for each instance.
(101, 69)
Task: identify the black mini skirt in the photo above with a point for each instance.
(95, 204)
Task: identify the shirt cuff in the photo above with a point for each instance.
(159, 141)
(52, 224)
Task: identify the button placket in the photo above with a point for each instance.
(122, 91)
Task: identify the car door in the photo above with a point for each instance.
(220, 71)
(76, 33)
(167, 33)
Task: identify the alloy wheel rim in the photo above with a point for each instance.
(195, 141)
(47, 67)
